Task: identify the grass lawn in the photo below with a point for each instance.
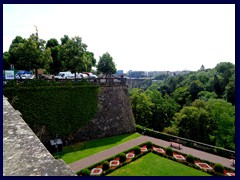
(154, 165)
(81, 150)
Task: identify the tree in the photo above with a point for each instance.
(230, 90)
(202, 68)
(106, 64)
(56, 65)
(222, 113)
(65, 39)
(72, 55)
(32, 54)
(91, 61)
(6, 64)
(194, 88)
(193, 123)
(13, 58)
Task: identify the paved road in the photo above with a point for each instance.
(83, 163)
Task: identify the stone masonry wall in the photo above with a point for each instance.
(113, 118)
(23, 152)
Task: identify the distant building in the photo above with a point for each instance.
(119, 72)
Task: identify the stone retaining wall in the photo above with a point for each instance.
(23, 152)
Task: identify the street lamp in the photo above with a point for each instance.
(56, 143)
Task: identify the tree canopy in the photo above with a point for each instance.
(106, 64)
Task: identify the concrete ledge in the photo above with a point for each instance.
(23, 152)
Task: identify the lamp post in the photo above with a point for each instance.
(56, 144)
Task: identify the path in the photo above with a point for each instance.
(83, 163)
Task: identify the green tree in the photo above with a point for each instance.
(13, 57)
(106, 64)
(230, 90)
(32, 54)
(142, 107)
(6, 64)
(91, 61)
(193, 123)
(222, 113)
(194, 88)
(56, 65)
(72, 55)
(64, 39)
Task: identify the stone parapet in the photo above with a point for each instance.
(23, 152)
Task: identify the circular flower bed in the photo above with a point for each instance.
(130, 155)
(114, 163)
(96, 171)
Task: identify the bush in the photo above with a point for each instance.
(85, 172)
(169, 151)
(218, 168)
(190, 158)
(122, 157)
(137, 150)
(105, 165)
(149, 145)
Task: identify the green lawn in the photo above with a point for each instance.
(81, 150)
(155, 165)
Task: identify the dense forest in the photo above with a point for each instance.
(199, 105)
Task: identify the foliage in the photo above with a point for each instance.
(149, 144)
(122, 157)
(218, 168)
(85, 172)
(106, 64)
(63, 109)
(105, 165)
(72, 55)
(190, 158)
(31, 54)
(137, 150)
(169, 151)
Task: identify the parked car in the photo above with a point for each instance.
(90, 75)
(65, 75)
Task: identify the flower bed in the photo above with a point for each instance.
(230, 174)
(144, 149)
(114, 163)
(179, 157)
(96, 171)
(160, 150)
(130, 155)
(204, 166)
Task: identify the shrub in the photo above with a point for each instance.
(190, 158)
(122, 157)
(85, 172)
(149, 145)
(105, 165)
(137, 150)
(169, 151)
(218, 168)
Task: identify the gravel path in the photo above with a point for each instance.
(83, 163)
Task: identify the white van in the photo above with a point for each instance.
(65, 75)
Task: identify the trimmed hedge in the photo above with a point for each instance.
(218, 168)
(137, 150)
(122, 157)
(149, 145)
(84, 172)
(61, 107)
(105, 165)
(190, 158)
(169, 151)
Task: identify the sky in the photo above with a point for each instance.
(157, 37)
